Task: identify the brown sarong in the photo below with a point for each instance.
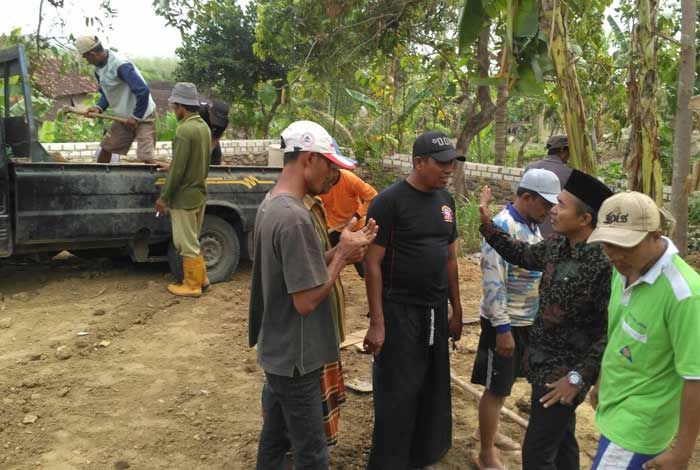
(332, 396)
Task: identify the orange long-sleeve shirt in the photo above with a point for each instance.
(348, 197)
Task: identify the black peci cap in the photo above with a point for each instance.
(436, 145)
(588, 189)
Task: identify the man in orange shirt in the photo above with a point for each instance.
(349, 197)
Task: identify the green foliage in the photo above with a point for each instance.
(67, 128)
(166, 126)
(217, 52)
(612, 172)
(156, 68)
(694, 208)
(473, 18)
(468, 221)
(217, 55)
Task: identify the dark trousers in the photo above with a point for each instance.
(412, 397)
(293, 419)
(550, 439)
(334, 238)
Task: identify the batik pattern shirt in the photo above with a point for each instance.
(510, 293)
(569, 332)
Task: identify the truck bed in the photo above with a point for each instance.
(71, 204)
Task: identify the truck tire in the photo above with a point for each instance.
(219, 244)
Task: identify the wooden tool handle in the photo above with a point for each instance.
(74, 110)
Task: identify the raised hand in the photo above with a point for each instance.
(484, 200)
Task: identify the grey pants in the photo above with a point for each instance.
(293, 419)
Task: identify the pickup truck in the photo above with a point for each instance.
(48, 206)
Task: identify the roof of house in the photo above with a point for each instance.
(55, 80)
(160, 92)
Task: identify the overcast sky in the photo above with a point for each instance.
(136, 30)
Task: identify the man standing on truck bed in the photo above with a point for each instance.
(123, 88)
(185, 189)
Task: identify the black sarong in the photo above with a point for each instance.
(412, 396)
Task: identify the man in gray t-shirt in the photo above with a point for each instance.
(290, 318)
(290, 255)
(556, 161)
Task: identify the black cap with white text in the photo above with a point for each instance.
(436, 145)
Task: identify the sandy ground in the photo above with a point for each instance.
(102, 368)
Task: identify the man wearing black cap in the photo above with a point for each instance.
(568, 336)
(557, 162)
(411, 273)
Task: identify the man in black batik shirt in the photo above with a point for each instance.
(568, 336)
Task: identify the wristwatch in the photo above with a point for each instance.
(575, 379)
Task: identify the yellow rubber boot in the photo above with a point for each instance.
(192, 279)
(205, 279)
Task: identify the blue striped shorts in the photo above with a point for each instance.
(611, 456)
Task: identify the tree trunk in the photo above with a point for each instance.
(552, 22)
(520, 162)
(501, 128)
(540, 136)
(644, 160)
(683, 126)
(501, 119)
(484, 99)
(477, 122)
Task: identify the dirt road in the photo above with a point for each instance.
(102, 369)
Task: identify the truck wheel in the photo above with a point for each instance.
(220, 248)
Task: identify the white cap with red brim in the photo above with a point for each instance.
(307, 136)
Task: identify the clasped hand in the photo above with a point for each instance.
(353, 245)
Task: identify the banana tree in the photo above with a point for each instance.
(644, 157)
(553, 22)
(536, 34)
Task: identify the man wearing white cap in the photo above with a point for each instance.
(649, 386)
(185, 191)
(124, 90)
(508, 307)
(290, 315)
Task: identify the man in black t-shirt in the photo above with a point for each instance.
(411, 273)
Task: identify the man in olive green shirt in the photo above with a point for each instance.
(185, 191)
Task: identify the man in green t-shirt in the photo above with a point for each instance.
(185, 191)
(649, 387)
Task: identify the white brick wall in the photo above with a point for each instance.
(485, 172)
(85, 151)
